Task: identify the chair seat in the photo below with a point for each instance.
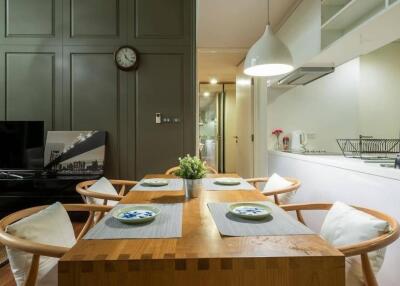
(37, 237)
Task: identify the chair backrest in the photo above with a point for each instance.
(361, 248)
(172, 170)
(39, 249)
(122, 186)
(295, 185)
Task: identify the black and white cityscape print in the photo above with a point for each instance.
(75, 152)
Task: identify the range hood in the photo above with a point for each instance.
(305, 75)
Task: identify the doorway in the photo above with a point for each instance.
(217, 125)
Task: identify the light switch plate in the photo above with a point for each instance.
(158, 118)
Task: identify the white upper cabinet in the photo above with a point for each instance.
(350, 28)
(332, 32)
(301, 32)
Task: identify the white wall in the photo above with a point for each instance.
(361, 97)
(379, 97)
(327, 108)
(260, 127)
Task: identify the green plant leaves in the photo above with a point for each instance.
(191, 168)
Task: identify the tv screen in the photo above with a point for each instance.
(21, 145)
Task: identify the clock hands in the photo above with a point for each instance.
(126, 58)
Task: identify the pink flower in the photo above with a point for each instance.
(277, 131)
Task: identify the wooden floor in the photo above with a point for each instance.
(6, 277)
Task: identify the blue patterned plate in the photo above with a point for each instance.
(250, 210)
(136, 214)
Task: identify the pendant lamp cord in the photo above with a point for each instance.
(268, 13)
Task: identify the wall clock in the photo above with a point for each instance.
(126, 58)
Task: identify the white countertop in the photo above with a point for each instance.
(339, 161)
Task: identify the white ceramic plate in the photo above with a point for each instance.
(228, 181)
(155, 182)
(136, 214)
(250, 210)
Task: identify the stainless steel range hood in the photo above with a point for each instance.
(305, 75)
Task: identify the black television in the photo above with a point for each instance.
(21, 145)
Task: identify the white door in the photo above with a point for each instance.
(244, 126)
(230, 131)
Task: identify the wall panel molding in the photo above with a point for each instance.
(97, 21)
(39, 15)
(23, 96)
(32, 81)
(165, 22)
(171, 67)
(95, 91)
(41, 24)
(162, 32)
(94, 22)
(63, 50)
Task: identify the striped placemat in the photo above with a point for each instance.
(209, 184)
(278, 223)
(168, 224)
(173, 185)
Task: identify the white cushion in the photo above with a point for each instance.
(346, 225)
(103, 186)
(50, 226)
(276, 182)
(50, 278)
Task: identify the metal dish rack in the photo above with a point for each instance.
(369, 148)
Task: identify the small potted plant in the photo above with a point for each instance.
(192, 170)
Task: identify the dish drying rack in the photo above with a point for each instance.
(366, 147)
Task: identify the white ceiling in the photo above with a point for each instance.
(227, 28)
(219, 64)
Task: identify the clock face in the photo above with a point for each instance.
(126, 58)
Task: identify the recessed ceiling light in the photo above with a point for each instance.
(206, 94)
(213, 81)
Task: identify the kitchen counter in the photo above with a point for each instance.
(339, 161)
(330, 178)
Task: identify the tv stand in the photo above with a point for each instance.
(8, 175)
(5, 175)
(32, 188)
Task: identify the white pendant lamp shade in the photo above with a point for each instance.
(269, 56)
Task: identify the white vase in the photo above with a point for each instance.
(192, 188)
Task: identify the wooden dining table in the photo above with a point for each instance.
(202, 256)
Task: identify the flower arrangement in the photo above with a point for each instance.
(277, 132)
(191, 168)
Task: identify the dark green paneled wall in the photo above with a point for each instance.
(56, 65)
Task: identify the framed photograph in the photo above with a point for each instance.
(75, 152)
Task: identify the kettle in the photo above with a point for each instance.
(299, 141)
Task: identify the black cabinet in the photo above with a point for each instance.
(17, 194)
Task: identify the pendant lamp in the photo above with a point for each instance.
(269, 56)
